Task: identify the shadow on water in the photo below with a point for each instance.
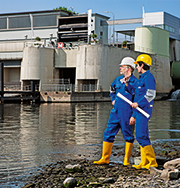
(35, 135)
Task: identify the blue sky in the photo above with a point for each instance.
(122, 9)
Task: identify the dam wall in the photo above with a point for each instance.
(102, 63)
(90, 62)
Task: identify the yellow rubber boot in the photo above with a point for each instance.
(150, 157)
(128, 150)
(143, 160)
(106, 153)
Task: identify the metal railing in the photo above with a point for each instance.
(57, 81)
(55, 87)
(86, 87)
(71, 87)
(17, 87)
(12, 87)
(28, 87)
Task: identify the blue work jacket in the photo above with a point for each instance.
(118, 85)
(145, 91)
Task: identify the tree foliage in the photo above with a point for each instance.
(94, 35)
(65, 9)
(38, 38)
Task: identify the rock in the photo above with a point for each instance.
(174, 186)
(137, 160)
(173, 153)
(94, 184)
(70, 182)
(163, 152)
(174, 174)
(73, 168)
(109, 180)
(53, 175)
(29, 185)
(168, 174)
(69, 168)
(166, 145)
(164, 175)
(173, 164)
(161, 160)
(155, 171)
(77, 168)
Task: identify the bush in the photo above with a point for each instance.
(38, 38)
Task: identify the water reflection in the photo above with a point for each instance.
(34, 135)
(165, 121)
(90, 122)
(1, 113)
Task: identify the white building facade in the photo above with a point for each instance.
(18, 30)
(34, 29)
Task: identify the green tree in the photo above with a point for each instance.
(65, 9)
(38, 38)
(94, 35)
(124, 43)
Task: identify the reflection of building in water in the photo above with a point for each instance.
(1, 112)
(29, 122)
(91, 120)
(10, 142)
(57, 121)
(85, 123)
(45, 128)
(160, 121)
(175, 119)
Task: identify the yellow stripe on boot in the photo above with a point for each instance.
(106, 153)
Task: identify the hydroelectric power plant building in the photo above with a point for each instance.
(54, 50)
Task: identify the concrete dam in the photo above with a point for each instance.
(96, 65)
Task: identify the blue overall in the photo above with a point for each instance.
(122, 111)
(144, 96)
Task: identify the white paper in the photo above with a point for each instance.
(128, 101)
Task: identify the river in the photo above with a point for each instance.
(33, 135)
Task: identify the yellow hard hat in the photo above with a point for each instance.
(145, 59)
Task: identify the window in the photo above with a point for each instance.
(25, 22)
(19, 22)
(3, 23)
(45, 20)
(169, 28)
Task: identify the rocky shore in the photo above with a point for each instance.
(112, 175)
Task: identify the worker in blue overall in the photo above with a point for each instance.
(120, 116)
(144, 97)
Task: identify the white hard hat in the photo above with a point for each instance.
(128, 61)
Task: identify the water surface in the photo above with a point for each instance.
(34, 135)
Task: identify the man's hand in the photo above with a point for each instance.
(134, 105)
(132, 121)
(113, 102)
(126, 79)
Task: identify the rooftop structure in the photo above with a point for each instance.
(75, 28)
(29, 25)
(164, 21)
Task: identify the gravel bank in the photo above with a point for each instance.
(113, 175)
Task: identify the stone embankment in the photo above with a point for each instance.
(86, 174)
